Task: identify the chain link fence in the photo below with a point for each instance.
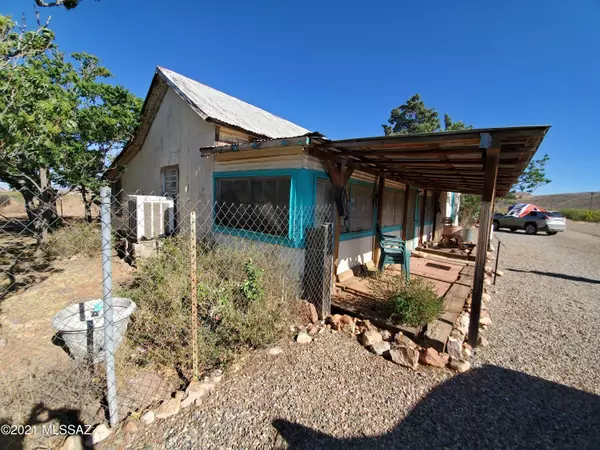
(109, 305)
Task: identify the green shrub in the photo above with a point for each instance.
(245, 300)
(78, 238)
(414, 303)
(583, 215)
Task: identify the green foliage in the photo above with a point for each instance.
(582, 215)
(414, 303)
(245, 300)
(534, 176)
(414, 117)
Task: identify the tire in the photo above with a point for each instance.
(496, 225)
(530, 228)
(551, 233)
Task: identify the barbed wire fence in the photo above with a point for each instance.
(106, 310)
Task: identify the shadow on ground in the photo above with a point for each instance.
(558, 275)
(489, 407)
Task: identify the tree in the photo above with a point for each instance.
(412, 117)
(67, 4)
(58, 124)
(533, 177)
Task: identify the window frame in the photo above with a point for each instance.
(295, 235)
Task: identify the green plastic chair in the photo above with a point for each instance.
(393, 251)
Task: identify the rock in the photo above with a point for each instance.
(484, 319)
(485, 297)
(499, 273)
(335, 321)
(312, 329)
(132, 426)
(303, 338)
(274, 351)
(459, 365)
(404, 340)
(385, 335)
(482, 341)
(168, 408)
(405, 356)
(431, 357)
(179, 395)
(308, 312)
(198, 401)
(463, 323)
(216, 375)
(347, 324)
(487, 282)
(147, 418)
(418, 254)
(100, 433)
(379, 348)
(196, 390)
(73, 442)
(369, 338)
(467, 350)
(454, 347)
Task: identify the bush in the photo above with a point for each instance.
(414, 303)
(78, 238)
(583, 215)
(5, 200)
(245, 300)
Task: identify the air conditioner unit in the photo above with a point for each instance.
(150, 216)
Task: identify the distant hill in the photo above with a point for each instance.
(556, 202)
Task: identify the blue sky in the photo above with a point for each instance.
(339, 67)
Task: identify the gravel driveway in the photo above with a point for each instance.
(535, 386)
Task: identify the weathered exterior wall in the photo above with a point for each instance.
(175, 137)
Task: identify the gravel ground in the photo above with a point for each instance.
(535, 386)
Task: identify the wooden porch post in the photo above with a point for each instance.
(436, 200)
(492, 158)
(376, 246)
(423, 207)
(405, 212)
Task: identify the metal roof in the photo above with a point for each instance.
(218, 107)
(445, 161)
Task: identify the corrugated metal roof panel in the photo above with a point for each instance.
(212, 104)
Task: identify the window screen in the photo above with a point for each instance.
(324, 210)
(393, 204)
(361, 208)
(254, 204)
(170, 181)
(399, 202)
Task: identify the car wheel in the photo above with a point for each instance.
(530, 228)
(496, 225)
(552, 233)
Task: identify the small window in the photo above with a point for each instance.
(254, 204)
(170, 181)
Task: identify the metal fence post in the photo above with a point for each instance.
(107, 306)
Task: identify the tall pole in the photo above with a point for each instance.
(107, 307)
(194, 287)
(591, 199)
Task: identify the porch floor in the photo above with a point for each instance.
(451, 279)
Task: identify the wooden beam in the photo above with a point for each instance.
(423, 216)
(492, 158)
(376, 246)
(405, 211)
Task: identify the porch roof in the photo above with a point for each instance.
(444, 161)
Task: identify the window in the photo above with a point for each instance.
(393, 204)
(170, 181)
(361, 209)
(324, 203)
(117, 197)
(254, 204)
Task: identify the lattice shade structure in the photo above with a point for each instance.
(446, 161)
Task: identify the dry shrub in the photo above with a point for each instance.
(245, 298)
(77, 238)
(414, 303)
(5, 200)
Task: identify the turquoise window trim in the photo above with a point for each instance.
(351, 235)
(297, 222)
